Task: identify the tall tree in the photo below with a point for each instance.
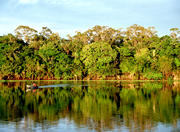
(139, 37)
(25, 33)
(98, 59)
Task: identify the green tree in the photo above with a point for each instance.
(11, 61)
(98, 59)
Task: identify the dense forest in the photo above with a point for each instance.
(98, 53)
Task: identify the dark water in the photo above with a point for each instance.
(90, 106)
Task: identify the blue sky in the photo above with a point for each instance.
(68, 16)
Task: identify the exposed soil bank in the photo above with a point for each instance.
(174, 76)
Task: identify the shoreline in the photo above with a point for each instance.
(92, 80)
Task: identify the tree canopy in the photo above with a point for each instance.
(98, 53)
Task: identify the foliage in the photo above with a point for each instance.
(98, 58)
(98, 53)
(150, 74)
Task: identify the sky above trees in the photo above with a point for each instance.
(68, 16)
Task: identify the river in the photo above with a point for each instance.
(90, 106)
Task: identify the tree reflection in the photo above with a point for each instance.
(103, 106)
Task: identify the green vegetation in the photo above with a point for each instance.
(98, 53)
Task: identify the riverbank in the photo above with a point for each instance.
(124, 77)
(90, 80)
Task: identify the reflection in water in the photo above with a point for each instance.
(95, 105)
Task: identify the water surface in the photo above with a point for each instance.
(90, 106)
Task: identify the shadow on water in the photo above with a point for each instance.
(95, 105)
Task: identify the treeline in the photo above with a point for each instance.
(98, 53)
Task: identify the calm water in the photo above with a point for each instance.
(90, 106)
